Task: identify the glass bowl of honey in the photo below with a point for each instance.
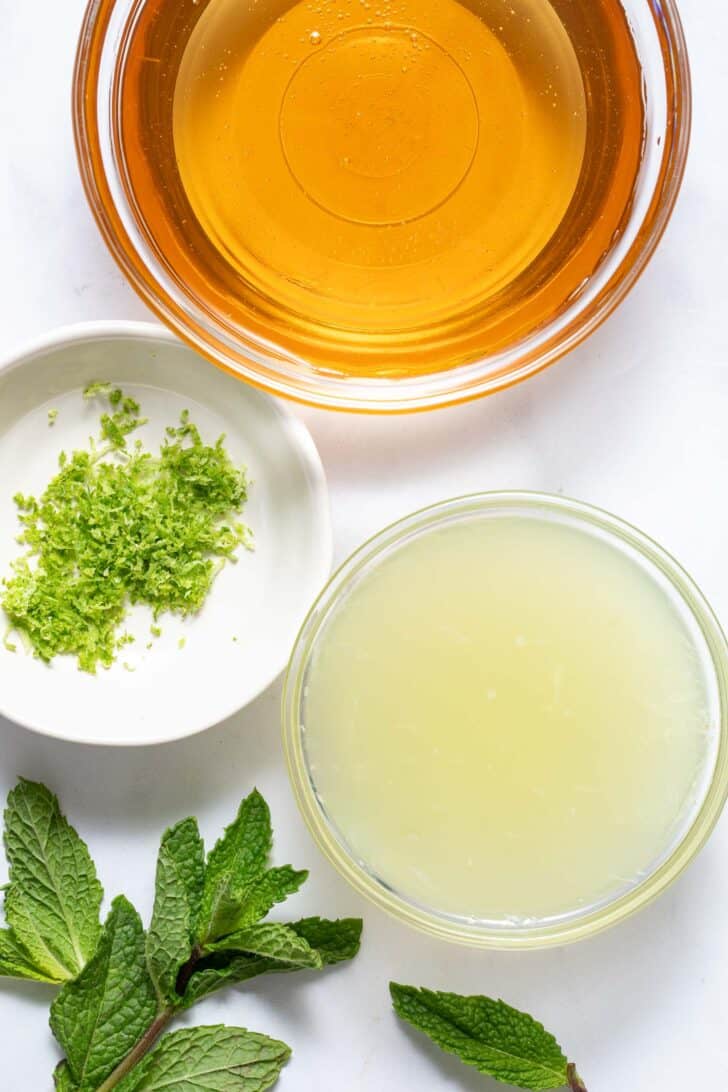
(506, 720)
(382, 207)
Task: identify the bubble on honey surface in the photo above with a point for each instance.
(315, 37)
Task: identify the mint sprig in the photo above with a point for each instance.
(497, 1040)
(121, 986)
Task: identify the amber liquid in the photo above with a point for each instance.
(382, 188)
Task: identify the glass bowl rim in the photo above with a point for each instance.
(280, 372)
(439, 924)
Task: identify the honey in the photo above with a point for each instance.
(385, 187)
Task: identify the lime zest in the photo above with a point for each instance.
(118, 526)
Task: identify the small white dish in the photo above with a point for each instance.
(240, 641)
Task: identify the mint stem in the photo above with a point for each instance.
(144, 1045)
(186, 972)
(575, 1082)
(155, 1029)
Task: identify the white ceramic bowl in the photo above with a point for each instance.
(241, 640)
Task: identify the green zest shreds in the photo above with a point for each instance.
(118, 526)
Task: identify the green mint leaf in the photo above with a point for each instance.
(210, 1059)
(15, 961)
(237, 861)
(272, 941)
(62, 1079)
(495, 1039)
(99, 1018)
(178, 896)
(53, 900)
(335, 941)
(19, 912)
(225, 969)
(273, 887)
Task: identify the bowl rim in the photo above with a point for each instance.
(261, 362)
(300, 439)
(450, 927)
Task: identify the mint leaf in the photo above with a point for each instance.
(244, 847)
(211, 1059)
(335, 941)
(62, 1078)
(236, 862)
(185, 846)
(273, 887)
(495, 1039)
(99, 1018)
(19, 912)
(15, 961)
(53, 899)
(226, 969)
(272, 941)
(178, 896)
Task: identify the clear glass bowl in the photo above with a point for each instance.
(690, 834)
(257, 358)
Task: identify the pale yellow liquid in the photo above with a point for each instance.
(510, 720)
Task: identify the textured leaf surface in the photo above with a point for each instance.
(209, 1059)
(62, 1079)
(333, 941)
(53, 900)
(495, 1039)
(226, 969)
(177, 900)
(273, 887)
(19, 911)
(237, 861)
(99, 1018)
(273, 941)
(15, 961)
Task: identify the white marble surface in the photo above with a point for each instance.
(635, 421)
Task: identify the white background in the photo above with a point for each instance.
(635, 421)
